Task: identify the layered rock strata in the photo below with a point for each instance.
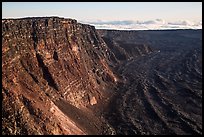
(45, 60)
(57, 74)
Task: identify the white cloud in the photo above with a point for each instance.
(144, 25)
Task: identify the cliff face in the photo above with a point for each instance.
(48, 61)
(57, 75)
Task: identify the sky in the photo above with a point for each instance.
(124, 15)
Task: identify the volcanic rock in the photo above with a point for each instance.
(47, 60)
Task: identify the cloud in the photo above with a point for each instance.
(124, 22)
(144, 25)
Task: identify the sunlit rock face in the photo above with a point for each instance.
(46, 60)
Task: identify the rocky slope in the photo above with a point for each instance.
(50, 65)
(162, 94)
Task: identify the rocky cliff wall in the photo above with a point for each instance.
(58, 74)
(45, 60)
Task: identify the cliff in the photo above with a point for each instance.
(47, 62)
(58, 75)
